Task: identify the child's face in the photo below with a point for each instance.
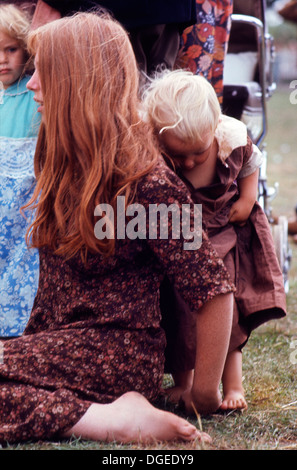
(12, 60)
(187, 156)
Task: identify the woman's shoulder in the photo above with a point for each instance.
(162, 184)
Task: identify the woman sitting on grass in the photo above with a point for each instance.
(91, 360)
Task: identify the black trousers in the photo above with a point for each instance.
(155, 46)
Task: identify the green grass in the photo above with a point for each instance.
(269, 374)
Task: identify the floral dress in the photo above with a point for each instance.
(94, 331)
(204, 45)
(19, 267)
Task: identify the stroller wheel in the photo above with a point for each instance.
(280, 238)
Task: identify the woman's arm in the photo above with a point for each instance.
(213, 330)
(204, 284)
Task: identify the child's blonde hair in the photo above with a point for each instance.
(15, 23)
(183, 103)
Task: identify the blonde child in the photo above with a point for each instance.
(19, 123)
(218, 162)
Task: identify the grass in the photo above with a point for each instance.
(269, 367)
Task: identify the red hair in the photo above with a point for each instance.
(92, 146)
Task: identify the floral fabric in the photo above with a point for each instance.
(204, 45)
(19, 266)
(94, 331)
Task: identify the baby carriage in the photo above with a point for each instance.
(248, 84)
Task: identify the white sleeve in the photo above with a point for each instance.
(254, 162)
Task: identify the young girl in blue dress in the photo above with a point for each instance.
(19, 124)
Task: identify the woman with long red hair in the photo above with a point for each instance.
(91, 360)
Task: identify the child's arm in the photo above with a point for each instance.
(247, 184)
(248, 190)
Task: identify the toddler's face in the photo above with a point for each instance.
(12, 60)
(186, 155)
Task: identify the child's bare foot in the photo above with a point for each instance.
(234, 400)
(174, 394)
(232, 383)
(183, 381)
(131, 418)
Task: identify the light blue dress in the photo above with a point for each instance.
(19, 266)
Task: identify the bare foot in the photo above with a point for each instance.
(183, 381)
(232, 383)
(174, 394)
(234, 400)
(131, 418)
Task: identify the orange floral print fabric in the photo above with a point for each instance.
(204, 45)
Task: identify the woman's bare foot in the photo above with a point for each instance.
(234, 400)
(131, 418)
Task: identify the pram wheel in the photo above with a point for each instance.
(281, 244)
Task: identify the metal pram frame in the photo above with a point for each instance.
(247, 101)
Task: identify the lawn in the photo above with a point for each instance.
(270, 357)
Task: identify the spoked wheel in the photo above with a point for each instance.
(281, 244)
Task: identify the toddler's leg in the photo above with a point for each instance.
(232, 383)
